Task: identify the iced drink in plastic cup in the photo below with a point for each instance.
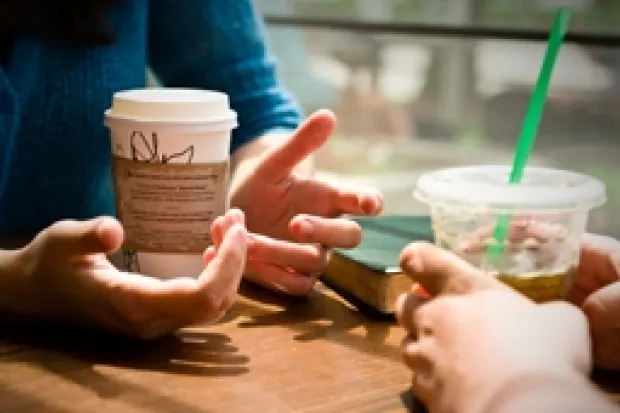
(170, 156)
(548, 212)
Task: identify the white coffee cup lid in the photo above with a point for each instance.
(173, 106)
(544, 189)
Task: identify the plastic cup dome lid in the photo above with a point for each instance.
(488, 187)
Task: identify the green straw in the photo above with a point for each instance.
(531, 123)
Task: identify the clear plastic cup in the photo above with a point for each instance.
(547, 217)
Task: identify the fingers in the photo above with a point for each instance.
(217, 230)
(418, 347)
(602, 309)
(354, 200)
(599, 266)
(223, 223)
(100, 235)
(418, 359)
(209, 255)
(220, 280)
(604, 303)
(148, 307)
(414, 356)
(333, 233)
(278, 163)
(601, 255)
(603, 243)
(423, 317)
(304, 258)
(441, 272)
(285, 267)
(280, 279)
(332, 200)
(406, 307)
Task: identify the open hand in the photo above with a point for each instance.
(597, 291)
(68, 278)
(296, 218)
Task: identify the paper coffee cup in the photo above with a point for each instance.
(170, 154)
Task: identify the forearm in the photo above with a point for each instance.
(551, 393)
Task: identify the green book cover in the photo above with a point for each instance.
(369, 276)
(384, 237)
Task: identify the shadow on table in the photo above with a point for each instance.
(412, 404)
(188, 353)
(319, 316)
(73, 353)
(12, 400)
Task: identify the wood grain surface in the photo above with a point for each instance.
(269, 354)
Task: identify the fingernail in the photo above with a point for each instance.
(237, 215)
(378, 203)
(304, 228)
(206, 256)
(368, 206)
(107, 232)
(219, 221)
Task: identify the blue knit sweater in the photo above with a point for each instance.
(54, 149)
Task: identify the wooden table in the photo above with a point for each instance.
(270, 354)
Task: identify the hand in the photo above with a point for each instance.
(296, 217)
(69, 279)
(597, 291)
(479, 337)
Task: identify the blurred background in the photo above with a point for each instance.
(410, 101)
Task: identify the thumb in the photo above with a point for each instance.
(441, 272)
(102, 235)
(277, 163)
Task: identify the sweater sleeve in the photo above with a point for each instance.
(221, 45)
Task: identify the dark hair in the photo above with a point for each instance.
(81, 22)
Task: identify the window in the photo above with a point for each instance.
(598, 16)
(408, 103)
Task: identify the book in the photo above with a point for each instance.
(369, 275)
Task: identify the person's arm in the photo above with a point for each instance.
(221, 46)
